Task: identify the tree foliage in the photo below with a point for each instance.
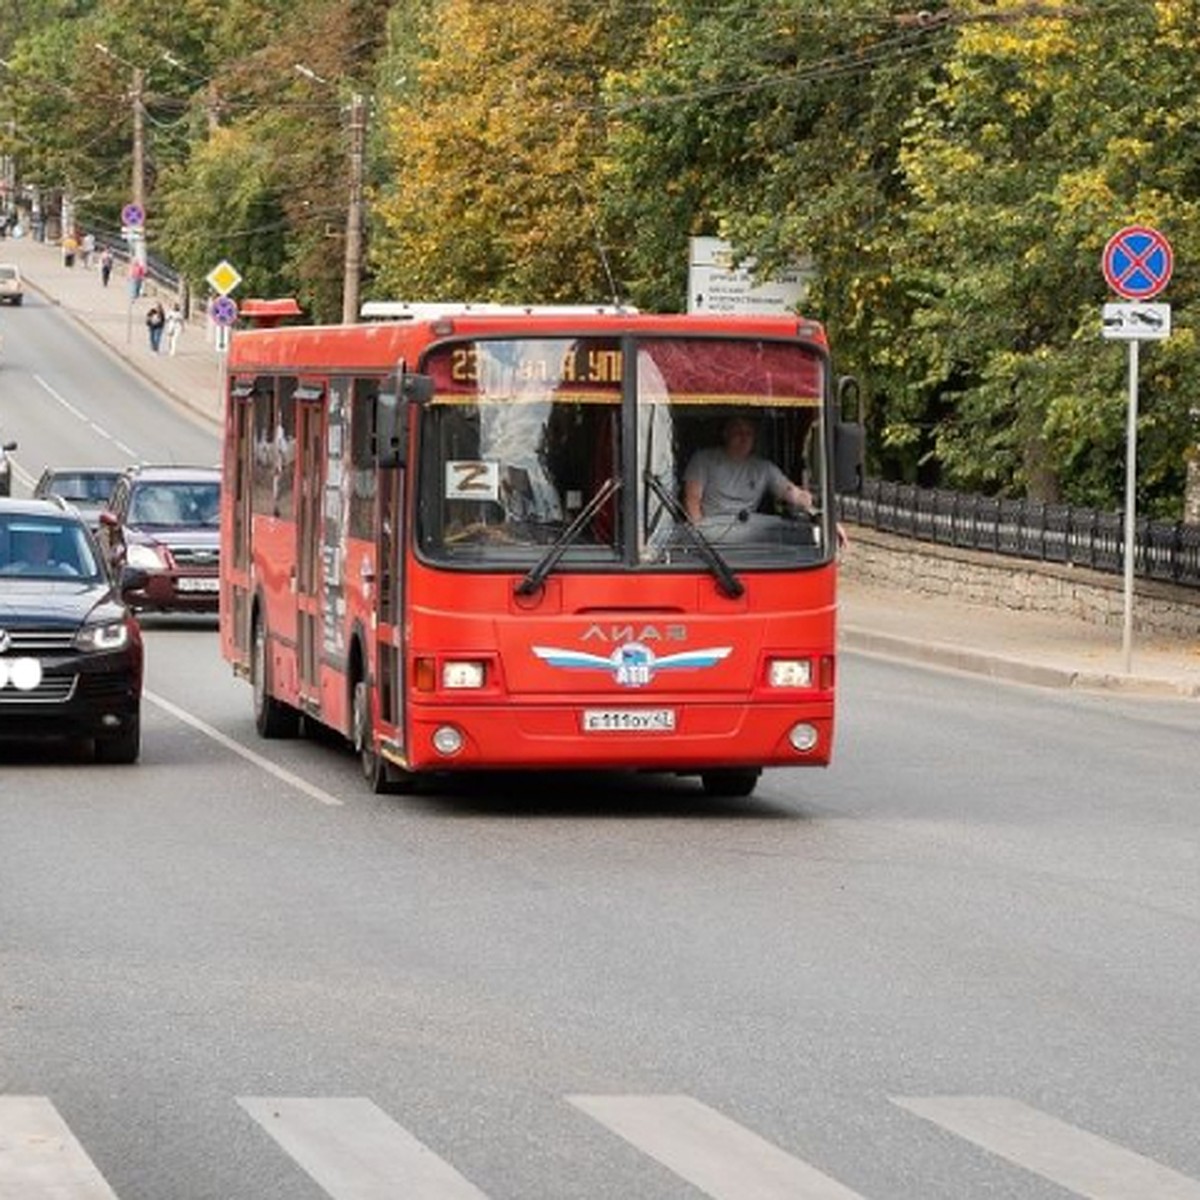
(499, 139)
(952, 169)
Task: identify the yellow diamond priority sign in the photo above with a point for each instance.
(223, 278)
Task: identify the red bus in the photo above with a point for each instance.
(460, 538)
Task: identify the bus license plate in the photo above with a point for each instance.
(628, 720)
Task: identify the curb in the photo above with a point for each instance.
(995, 666)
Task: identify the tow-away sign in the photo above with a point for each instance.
(1137, 322)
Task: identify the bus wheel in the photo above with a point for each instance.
(730, 784)
(383, 777)
(374, 768)
(272, 718)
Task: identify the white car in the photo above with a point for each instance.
(6, 448)
(12, 288)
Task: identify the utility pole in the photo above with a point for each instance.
(138, 195)
(354, 210)
(137, 94)
(137, 248)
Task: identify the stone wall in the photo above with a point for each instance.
(884, 560)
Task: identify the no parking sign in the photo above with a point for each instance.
(1137, 262)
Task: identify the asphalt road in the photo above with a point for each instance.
(959, 963)
(68, 402)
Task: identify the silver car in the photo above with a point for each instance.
(12, 287)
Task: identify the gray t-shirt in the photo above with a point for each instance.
(729, 486)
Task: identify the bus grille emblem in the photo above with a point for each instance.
(631, 664)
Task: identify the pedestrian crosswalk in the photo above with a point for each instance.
(353, 1150)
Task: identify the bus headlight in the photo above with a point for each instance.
(463, 674)
(790, 672)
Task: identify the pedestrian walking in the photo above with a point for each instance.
(106, 265)
(70, 244)
(87, 247)
(155, 320)
(137, 277)
(173, 328)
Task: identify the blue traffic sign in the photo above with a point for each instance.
(1137, 262)
(133, 215)
(223, 310)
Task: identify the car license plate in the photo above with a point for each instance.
(200, 583)
(628, 720)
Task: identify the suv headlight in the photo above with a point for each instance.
(112, 635)
(148, 558)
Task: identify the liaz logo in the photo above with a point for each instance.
(632, 664)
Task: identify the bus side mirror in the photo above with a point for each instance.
(849, 438)
(391, 441)
(392, 415)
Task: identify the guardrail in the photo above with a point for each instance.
(1059, 533)
(157, 270)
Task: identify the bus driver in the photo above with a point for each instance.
(730, 479)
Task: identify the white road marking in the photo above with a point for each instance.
(75, 412)
(39, 1157)
(1076, 1160)
(82, 416)
(265, 764)
(355, 1151)
(714, 1154)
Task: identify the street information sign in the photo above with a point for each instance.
(223, 278)
(1137, 322)
(716, 285)
(1137, 262)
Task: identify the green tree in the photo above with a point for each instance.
(778, 126)
(1030, 153)
(497, 137)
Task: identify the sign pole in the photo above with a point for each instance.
(1130, 507)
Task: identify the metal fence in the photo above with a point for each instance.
(157, 270)
(1057, 533)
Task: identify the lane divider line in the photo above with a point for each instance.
(264, 764)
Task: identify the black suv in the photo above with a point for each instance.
(70, 649)
(166, 522)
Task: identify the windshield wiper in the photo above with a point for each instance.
(549, 560)
(731, 585)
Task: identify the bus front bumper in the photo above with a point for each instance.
(664, 737)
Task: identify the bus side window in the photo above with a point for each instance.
(362, 461)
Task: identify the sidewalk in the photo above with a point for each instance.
(1044, 651)
(192, 377)
(1024, 647)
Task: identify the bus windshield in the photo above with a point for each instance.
(727, 435)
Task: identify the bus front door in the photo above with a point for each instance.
(310, 487)
(389, 638)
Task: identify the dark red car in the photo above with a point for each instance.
(165, 521)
